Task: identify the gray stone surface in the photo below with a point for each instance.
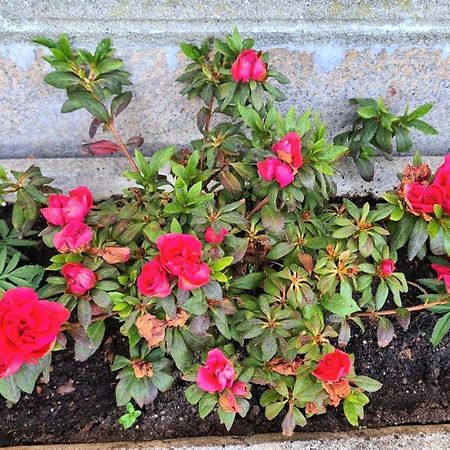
(435, 437)
(331, 50)
(103, 175)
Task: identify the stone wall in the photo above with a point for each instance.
(331, 50)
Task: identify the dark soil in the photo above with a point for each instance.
(78, 404)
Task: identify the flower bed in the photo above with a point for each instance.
(229, 271)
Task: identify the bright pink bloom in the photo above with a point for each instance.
(443, 274)
(386, 268)
(248, 66)
(442, 179)
(62, 209)
(28, 328)
(215, 238)
(275, 169)
(179, 250)
(421, 198)
(217, 374)
(75, 236)
(193, 276)
(333, 366)
(289, 150)
(153, 280)
(240, 389)
(80, 279)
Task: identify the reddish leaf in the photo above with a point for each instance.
(100, 148)
(94, 127)
(385, 332)
(403, 317)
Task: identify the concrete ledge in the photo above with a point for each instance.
(104, 175)
(433, 437)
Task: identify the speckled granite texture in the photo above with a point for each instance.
(331, 50)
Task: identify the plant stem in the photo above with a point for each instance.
(390, 312)
(206, 129)
(259, 206)
(122, 146)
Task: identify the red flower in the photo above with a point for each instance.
(240, 389)
(80, 279)
(289, 149)
(215, 238)
(386, 268)
(442, 179)
(443, 274)
(333, 366)
(217, 374)
(249, 65)
(75, 236)
(181, 256)
(275, 169)
(64, 208)
(153, 280)
(421, 198)
(28, 328)
(193, 276)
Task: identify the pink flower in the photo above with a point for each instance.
(28, 328)
(75, 236)
(153, 280)
(179, 250)
(217, 374)
(240, 389)
(62, 209)
(181, 255)
(443, 274)
(421, 198)
(333, 366)
(289, 149)
(193, 276)
(215, 238)
(442, 180)
(249, 65)
(275, 169)
(386, 268)
(80, 279)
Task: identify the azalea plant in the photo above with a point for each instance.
(229, 262)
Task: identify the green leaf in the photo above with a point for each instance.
(181, 355)
(419, 112)
(193, 394)
(274, 409)
(441, 328)
(403, 139)
(226, 418)
(61, 80)
(206, 404)
(381, 295)
(351, 412)
(419, 236)
(108, 65)
(94, 107)
(248, 282)
(367, 112)
(95, 332)
(279, 250)
(366, 383)
(9, 389)
(423, 127)
(340, 305)
(269, 347)
(162, 381)
(190, 51)
(365, 168)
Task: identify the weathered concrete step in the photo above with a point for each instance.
(103, 175)
(431, 437)
(331, 50)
